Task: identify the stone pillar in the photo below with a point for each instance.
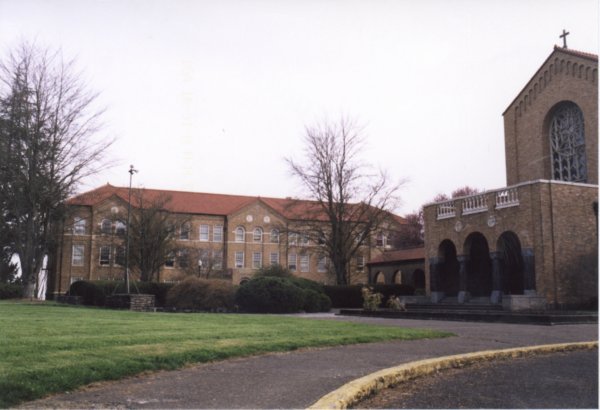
(435, 265)
(463, 293)
(528, 271)
(497, 277)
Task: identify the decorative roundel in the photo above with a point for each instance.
(458, 226)
(491, 221)
(267, 219)
(249, 218)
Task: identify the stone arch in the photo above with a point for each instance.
(379, 277)
(510, 254)
(564, 131)
(397, 277)
(418, 279)
(477, 265)
(447, 272)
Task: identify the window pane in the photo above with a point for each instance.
(204, 233)
(79, 226)
(257, 260)
(106, 226)
(239, 259)
(185, 231)
(218, 233)
(104, 255)
(274, 258)
(292, 262)
(322, 264)
(77, 256)
(274, 236)
(239, 234)
(258, 235)
(304, 263)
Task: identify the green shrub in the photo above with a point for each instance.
(277, 271)
(312, 301)
(10, 290)
(307, 284)
(266, 294)
(91, 293)
(202, 294)
(350, 296)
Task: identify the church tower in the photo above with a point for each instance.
(551, 128)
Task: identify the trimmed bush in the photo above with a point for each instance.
(277, 271)
(350, 296)
(10, 291)
(94, 293)
(270, 295)
(202, 294)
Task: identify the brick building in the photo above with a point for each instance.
(536, 240)
(231, 235)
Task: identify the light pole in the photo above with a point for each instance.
(131, 172)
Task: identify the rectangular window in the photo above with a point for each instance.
(292, 262)
(239, 259)
(322, 264)
(78, 255)
(184, 258)
(204, 233)
(303, 240)
(360, 263)
(184, 233)
(170, 261)
(275, 236)
(218, 233)
(79, 226)
(304, 263)
(120, 256)
(104, 255)
(257, 260)
(217, 260)
(274, 258)
(293, 238)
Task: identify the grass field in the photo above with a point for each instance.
(47, 348)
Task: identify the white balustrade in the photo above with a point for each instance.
(474, 204)
(446, 210)
(506, 198)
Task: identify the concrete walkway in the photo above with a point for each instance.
(298, 379)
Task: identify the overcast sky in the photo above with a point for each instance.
(211, 96)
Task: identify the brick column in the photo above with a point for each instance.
(529, 270)
(497, 277)
(435, 265)
(463, 294)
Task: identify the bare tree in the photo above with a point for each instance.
(151, 235)
(351, 202)
(411, 234)
(48, 120)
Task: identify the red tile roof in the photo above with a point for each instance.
(399, 256)
(208, 204)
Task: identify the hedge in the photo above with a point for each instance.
(350, 296)
(202, 294)
(10, 291)
(94, 293)
(267, 294)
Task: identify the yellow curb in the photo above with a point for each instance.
(358, 389)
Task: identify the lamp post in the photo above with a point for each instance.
(131, 172)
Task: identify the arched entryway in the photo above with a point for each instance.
(397, 279)
(379, 277)
(512, 264)
(418, 278)
(447, 269)
(478, 265)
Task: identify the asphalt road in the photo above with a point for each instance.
(552, 381)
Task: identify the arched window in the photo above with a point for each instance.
(106, 226)
(240, 234)
(258, 234)
(567, 144)
(275, 236)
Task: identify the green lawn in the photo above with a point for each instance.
(47, 348)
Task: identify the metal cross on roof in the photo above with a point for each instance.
(564, 37)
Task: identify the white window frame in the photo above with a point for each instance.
(120, 228)
(304, 240)
(79, 226)
(292, 262)
(78, 255)
(117, 250)
(105, 260)
(274, 236)
(217, 259)
(257, 234)
(239, 259)
(322, 263)
(240, 234)
(293, 238)
(184, 231)
(217, 233)
(274, 258)
(257, 260)
(106, 223)
(204, 232)
(304, 264)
